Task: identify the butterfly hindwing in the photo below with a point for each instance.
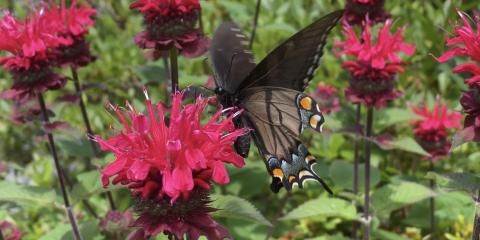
(231, 58)
(278, 116)
(293, 63)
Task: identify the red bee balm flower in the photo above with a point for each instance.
(171, 23)
(72, 24)
(154, 159)
(161, 163)
(372, 75)
(466, 42)
(356, 10)
(29, 42)
(432, 130)
(327, 98)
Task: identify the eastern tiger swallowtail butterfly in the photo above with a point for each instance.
(271, 95)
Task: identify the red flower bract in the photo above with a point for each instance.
(466, 42)
(372, 73)
(432, 129)
(171, 23)
(327, 98)
(154, 159)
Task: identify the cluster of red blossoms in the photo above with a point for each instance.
(372, 73)
(49, 37)
(356, 10)
(431, 131)
(466, 42)
(169, 167)
(171, 23)
(327, 98)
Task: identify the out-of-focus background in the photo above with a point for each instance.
(399, 187)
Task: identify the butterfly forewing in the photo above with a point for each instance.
(293, 63)
(231, 58)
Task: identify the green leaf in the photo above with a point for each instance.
(394, 196)
(385, 235)
(239, 208)
(341, 172)
(330, 237)
(88, 230)
(150, 74)
(90, 184)
(28, 195)
(467, 182)
(323, 206)
(391, 116)
(406, 144)
(76, 147)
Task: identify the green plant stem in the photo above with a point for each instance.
(174, 68)
(86, 121)
(11, 8)
(1, 234)
(167, 77)
(355, 163)
(476, 221)
(366, 208)
(254, 24)
(53, 150)
(432, 203)
(277, 216)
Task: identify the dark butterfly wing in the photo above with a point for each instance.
(278, 116)
(293, 63)
(231, 58)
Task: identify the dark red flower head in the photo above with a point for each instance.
(327, 98)
(189, 217)
(72, 23)
(30, 43)
(471, 105)
(466, 42)
(171, 23)
(10, 231)
(155, 159)
(376, 63)
(431, 130)
(356, 10)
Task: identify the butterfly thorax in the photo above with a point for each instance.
(225, 98)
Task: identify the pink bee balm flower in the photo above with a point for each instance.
(171, 23)
(466, 42)
(327, 98)
(431, 130)
(30, 43)
(376, 63)
(155, 159)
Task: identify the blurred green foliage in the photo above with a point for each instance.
(399, 194)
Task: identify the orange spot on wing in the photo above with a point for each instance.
(277, 173)
(306, 103)
(291, 178)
